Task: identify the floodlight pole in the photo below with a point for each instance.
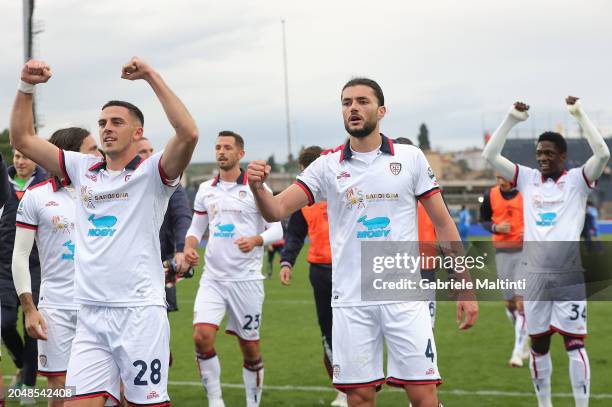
(28, 39)
(287, 113)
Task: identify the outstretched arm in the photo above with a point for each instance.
(492, 151)
(179, 149)
(273, 208)
(34, 322)
(597, 163)
(22, 134)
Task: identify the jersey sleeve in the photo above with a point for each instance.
(522, 175)
(578, 179)
(425, 183)
(199, 203)
(313, 180)
(154, 167)
(71, 164)
(27, 212)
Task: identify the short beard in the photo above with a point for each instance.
(365, 131)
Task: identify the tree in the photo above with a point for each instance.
(272, 163)
(424, 138)
(5, 146)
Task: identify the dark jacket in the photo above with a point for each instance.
(4, 184)
(8, 294)
(176, 223)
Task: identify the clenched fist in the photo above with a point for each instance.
(519, 111)
(136, 69)
(258, 172)
(35, 72)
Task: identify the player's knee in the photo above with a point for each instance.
(56, 382)
(572, 343)
(250, 351)
(511, 305)
(541, 344)
(204, 340)
(361, 396)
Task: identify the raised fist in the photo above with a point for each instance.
(136, 69)
(519, 111)
(258, 172)
(35, 72)
(573, 105)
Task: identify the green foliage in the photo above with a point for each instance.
(5, 146)
(424, 138)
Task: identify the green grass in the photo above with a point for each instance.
(470, 361)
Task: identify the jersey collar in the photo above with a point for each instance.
(241, 180)
(132, 165)
(386, 147)
(553, 178)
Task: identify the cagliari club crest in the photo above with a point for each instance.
(395, 168)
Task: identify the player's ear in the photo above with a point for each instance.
(241, 154)
(382, 110)
(138, 134)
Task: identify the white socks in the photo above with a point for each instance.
(520, 332)
(580, 376)
(541, 371)
(210, 374)
(253, 375)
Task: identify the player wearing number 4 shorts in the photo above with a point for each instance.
(554, 204)
(232, 280)
(371, 187)
(122, 333)
(46, 214)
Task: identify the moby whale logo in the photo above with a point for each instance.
(226, 230)
(70, 250)
(546, 219)
(375, 227)
(103, 225)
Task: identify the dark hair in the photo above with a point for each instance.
(555, 138)
(308, 155)
(403, 140)
(370, 84)
(134, 111)
(237, 137)
(69, 139)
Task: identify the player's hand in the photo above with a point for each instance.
(136, 69)
(258, 172)
(181, 263)
(191, 256)
(35, 324)
(467, 311)
(573, 105)
(503, 227)
(35, 72)
(519, 111)
(285, 275)
(246, 244)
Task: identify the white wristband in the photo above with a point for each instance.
(26, 87)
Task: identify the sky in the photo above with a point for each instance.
(456, 66)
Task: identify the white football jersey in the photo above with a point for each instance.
(553, 211)
(48, 208)
(232, 213)
(369, 199)
(118, 217)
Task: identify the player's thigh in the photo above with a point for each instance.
(357, 344)
(538, 315)
(142, 351)
(92, 371)
(54, 353)
(508, 268)
(569, 317)
(411, 348)
(210, 304)
(245, 304)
